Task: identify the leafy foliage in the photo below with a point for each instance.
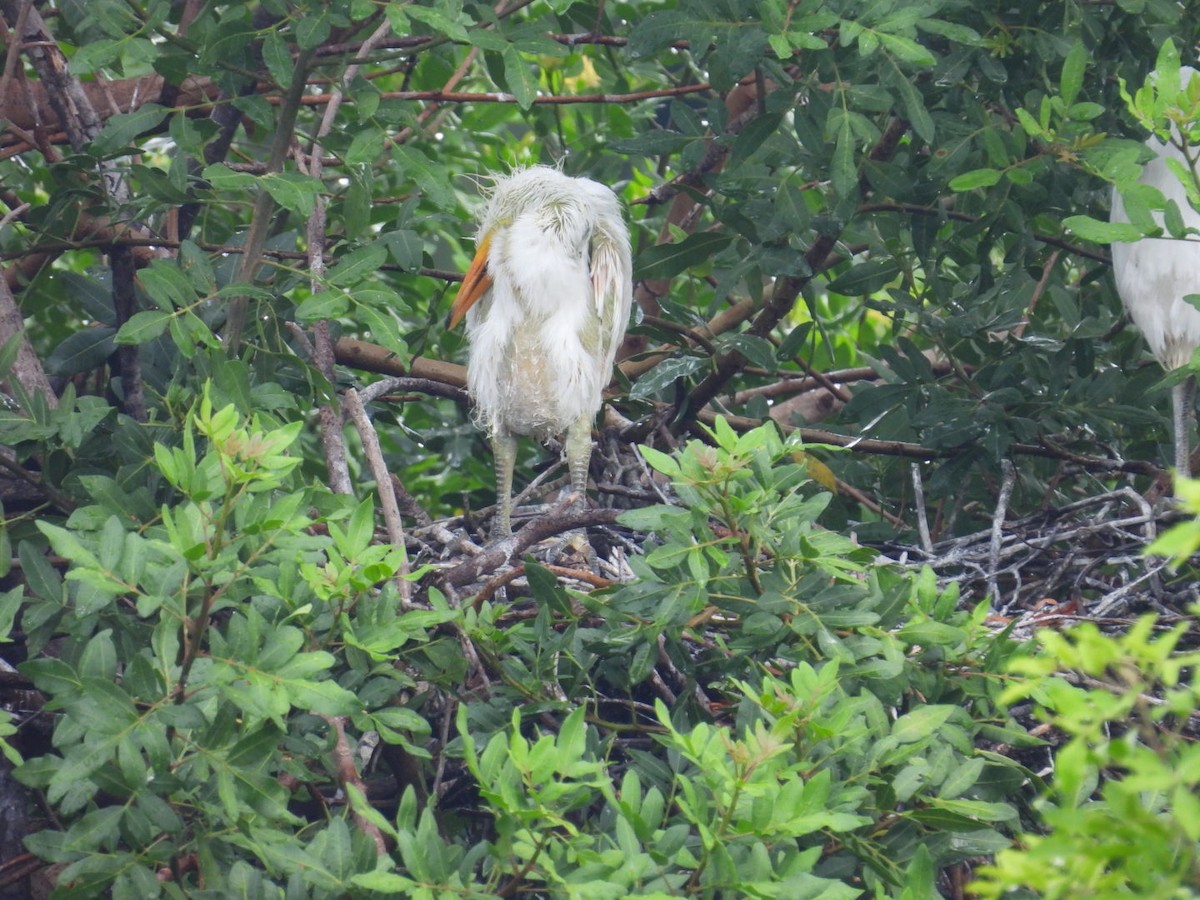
(206, 649)
(1136, 831)
(203, 668)
(902, 204)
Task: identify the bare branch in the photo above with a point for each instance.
(347, 775)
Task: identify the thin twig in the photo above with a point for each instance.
(919, 503)
(1008, 481)
(383, 486)
(347, 774)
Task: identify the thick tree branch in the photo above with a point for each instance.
(26, 368)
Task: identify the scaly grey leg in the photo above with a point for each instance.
(1183, 398)
(579, 453)
(504, 449)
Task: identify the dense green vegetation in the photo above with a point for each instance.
(870, 309)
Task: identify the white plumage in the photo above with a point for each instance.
(546, 299)
(1154, 274)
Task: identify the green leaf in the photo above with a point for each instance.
(357, 266)
(656, 31)
(383, 882)
(292, 191)
(43, 579)
(312, 29)
(906, 49)
(955, 31)
(415, 165)
(758, 351)
(83, 351)
(278, 57)
(662, 261)
(666, 373)
(97, 827)
(915, 111)
(144, 326)
(519, 77)
(365, 147)
(843, 171)
(11, 600)
(752, 137)
(866, 277)
(67, 544)
(167, 285)
(440, 22)
(921, 723)
(652, 143)
(223, 178)
(976, 178)
(648, 518)
(660, 461)
(1073, 70)
(325, 698)
(122, 128)
(1101, 232)
(406, 247)
(961, 779)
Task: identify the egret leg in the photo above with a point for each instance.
(579, 453)
(1183, 398)
(504, 450)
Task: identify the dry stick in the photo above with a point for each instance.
(788, 385)
(383, 486)
(15, 213)
(863, 500)
(1038, 290)
(543, 100)
(499, 553)
(439, 772)
(509, 575)
(331, 424)
(347, 775)
(1008, 481)
(333, 441)
(919, 503)
(256, 236)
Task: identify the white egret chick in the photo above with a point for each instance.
(1154, 274)
(546, 299)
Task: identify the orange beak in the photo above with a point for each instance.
(475, 283)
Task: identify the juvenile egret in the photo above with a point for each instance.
(546, 299)
(1154, 274)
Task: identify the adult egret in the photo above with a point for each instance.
(546, 299)
(1154, 274)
